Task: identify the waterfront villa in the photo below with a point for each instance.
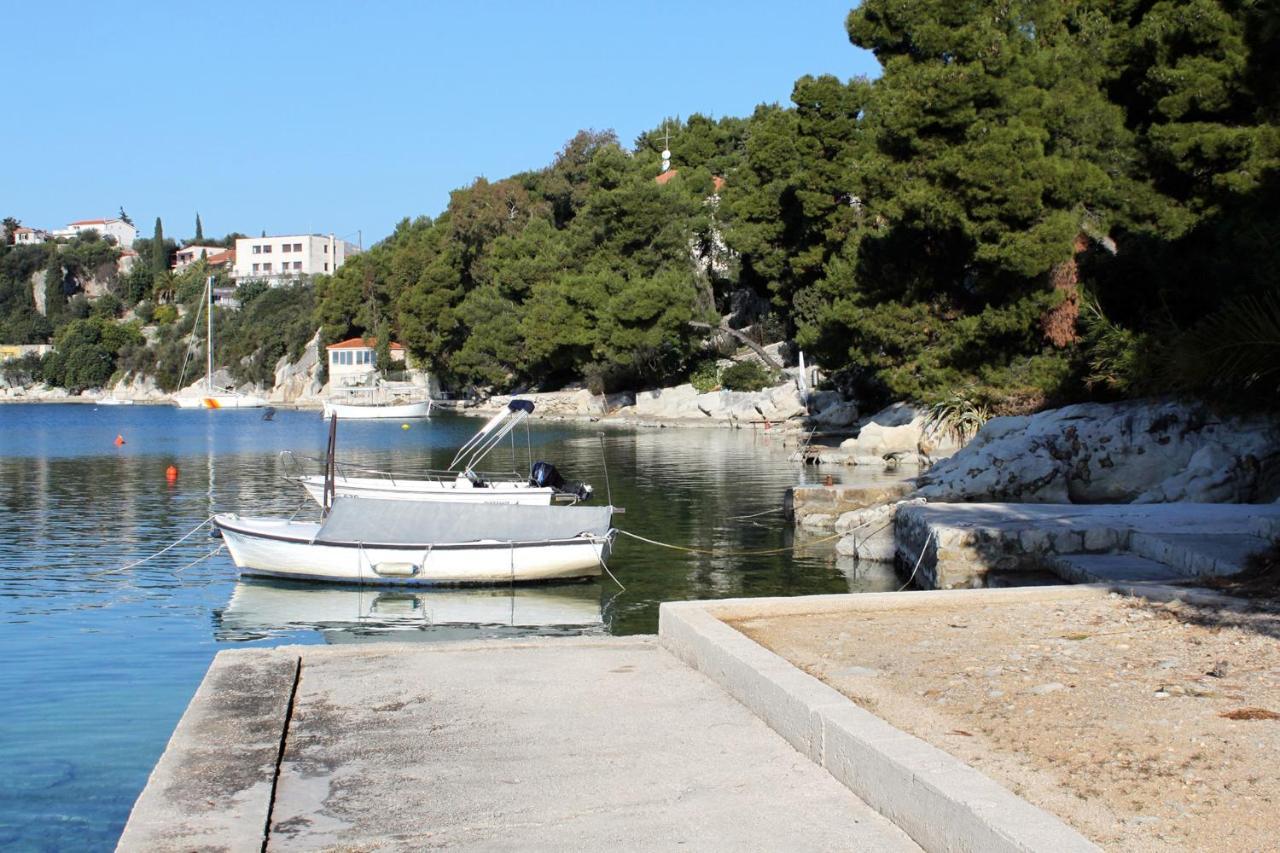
(354, 362)
(277, 260)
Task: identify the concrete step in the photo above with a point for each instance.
(1105, 568)
(1198, 553)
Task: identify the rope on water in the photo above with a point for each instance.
(168, 547)
(605, 566)
(753, 515)
(714, 553)
(200, 559)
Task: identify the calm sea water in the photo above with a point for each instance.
(97, 662)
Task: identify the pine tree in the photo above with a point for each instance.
(199, 238)
(159, 257)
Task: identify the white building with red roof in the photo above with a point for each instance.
(214, 256)
(122, 232)
(354, 361)
(24, 236)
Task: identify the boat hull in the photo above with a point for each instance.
(285, 549)
(221, 401)
(446, 491)
(374, 411)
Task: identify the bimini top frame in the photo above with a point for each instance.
(490, 435)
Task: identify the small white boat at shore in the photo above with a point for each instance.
(460, 483)
(413, 542)
(114, 401)
(219, 400)
(369, 411)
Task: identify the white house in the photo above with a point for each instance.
(123, 233)
(354, 361)
(188, 255)
(278, 259)
(24, 236)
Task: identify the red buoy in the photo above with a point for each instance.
(119, 440)
(171, 473)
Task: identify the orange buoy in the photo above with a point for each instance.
(119, 440)
(171, 473)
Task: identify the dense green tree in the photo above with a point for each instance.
(159, 253)
(199, 238)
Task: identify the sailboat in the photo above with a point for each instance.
(212, 398)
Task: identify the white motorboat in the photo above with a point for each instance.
(413, 542)
(209, 397)
(367, 411)
(460, 483)
(260, 606)
(114, 401)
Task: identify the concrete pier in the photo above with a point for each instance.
(542, 744)
(956, 545)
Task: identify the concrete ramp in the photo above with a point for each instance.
(565, 744)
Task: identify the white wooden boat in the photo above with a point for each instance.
(367, 411)
(114, 401)
(413, 542)
(460, 483)
(457, 489)
(210, 397)
(259, 606)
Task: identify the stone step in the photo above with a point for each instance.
(1196, 554)
(1105, 568)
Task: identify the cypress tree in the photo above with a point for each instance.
(54, 298)
(159, 257)
(199, 238)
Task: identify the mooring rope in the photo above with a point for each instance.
(715, 553)
(168, 547)
(919, 559)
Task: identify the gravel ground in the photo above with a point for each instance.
(1146, 725)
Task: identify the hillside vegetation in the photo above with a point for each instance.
(1034, 203)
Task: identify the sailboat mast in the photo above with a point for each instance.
(208, 337)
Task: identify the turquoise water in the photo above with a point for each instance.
(99, 662)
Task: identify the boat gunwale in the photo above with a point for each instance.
(589, 538)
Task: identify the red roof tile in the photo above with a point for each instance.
(358, 343)
(667, 175)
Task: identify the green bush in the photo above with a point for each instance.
(705, 376)
(746, 376)
(164, 314)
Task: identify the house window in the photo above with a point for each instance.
(326, 266)
(297, 247)
(266, 249)
(257, 250)
(255, 267)
(333, 357)
(297, 265)
(285, 247)
(266, 267)
(326, 248)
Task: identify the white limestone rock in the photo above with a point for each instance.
(1139, 451)
(898, 432)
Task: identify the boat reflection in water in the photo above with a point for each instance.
(266, 608)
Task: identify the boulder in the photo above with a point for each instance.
(899, 433)
(1135, 452)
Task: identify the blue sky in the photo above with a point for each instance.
(347, 117)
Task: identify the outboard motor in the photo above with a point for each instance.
(544, 474)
